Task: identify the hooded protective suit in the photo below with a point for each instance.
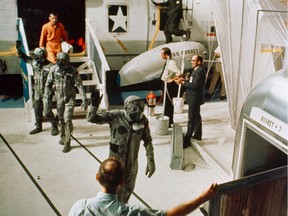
(41, 67)
(127, 129)
(62, 78)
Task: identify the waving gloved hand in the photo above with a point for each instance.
(95, 97)
(150, 168)
(18, 45)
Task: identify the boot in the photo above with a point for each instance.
(54, 129)
(188, 34)
(62, 140)
(36, 130)
(67, 147)
(68, 132)
(62, 136)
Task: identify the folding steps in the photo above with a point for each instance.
(89, 76)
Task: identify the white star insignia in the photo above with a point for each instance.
(119, 20)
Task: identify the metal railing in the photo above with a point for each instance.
(96, 54)
(26, 70)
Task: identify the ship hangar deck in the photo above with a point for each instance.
(38, 179)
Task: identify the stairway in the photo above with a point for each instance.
(89, 76)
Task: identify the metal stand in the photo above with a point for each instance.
(177, 158)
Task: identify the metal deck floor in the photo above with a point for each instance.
(38, 179)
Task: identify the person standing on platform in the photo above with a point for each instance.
(195, 98)
(41, 67)
(216, 73)
(52, 34)
(170, 71)
(175, 15)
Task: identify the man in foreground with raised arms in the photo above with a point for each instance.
(111, 176)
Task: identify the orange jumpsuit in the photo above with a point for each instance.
(51, 39)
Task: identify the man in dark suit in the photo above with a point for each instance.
(195, 98)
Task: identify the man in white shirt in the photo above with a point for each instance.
(110, 176)
(170, 71)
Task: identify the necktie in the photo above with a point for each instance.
(163, 70)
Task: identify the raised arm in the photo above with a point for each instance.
(187, 207)
(95, 101)
(21, 54)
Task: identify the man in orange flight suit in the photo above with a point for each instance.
(52, 34)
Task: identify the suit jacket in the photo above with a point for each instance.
(195, 86)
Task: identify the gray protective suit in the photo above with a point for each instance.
(127, 129)
(41, 67)
(62, 79)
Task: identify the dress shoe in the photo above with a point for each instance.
(35, 131)
(197, 138)
(186, 145)
(186, 35)
(208, 96)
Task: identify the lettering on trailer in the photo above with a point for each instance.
(117, 15)
(189, 51)
(270, 122)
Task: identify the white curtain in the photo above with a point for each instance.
(252, 36)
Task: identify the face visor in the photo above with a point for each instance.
(134, 108)
(62, 60)
(134, 112)
(39, 55)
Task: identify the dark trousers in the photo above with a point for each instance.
(194, 124)
(38, 110)
(172, 27)
(172, 91)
